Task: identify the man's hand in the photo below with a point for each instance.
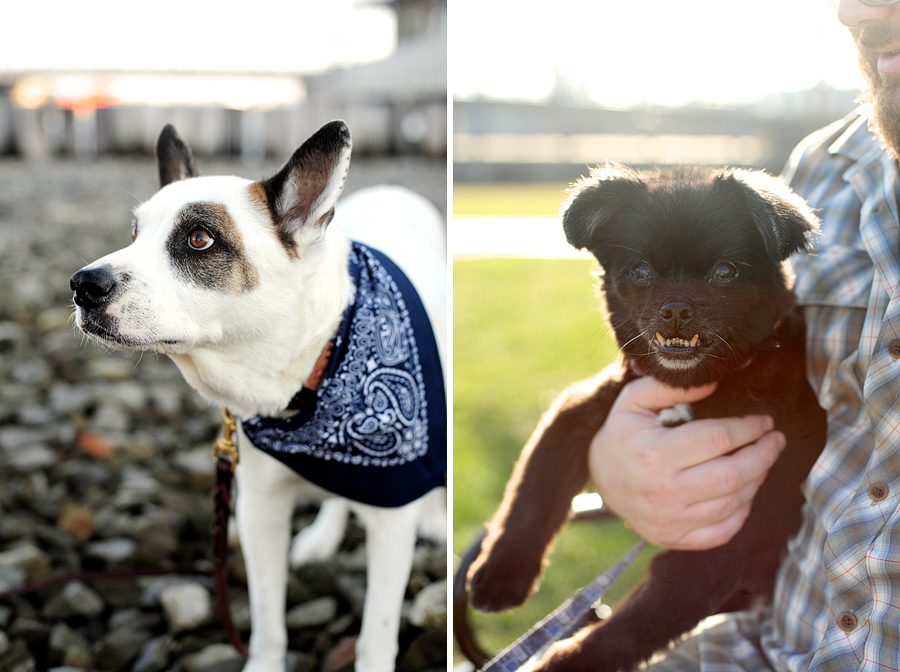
(677, 486)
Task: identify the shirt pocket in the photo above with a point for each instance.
(834, 287)
(836, 275)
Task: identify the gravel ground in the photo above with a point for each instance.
(104, 460)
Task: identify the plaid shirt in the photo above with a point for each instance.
(837, 600)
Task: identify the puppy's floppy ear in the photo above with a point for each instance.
(786, 223)
(303, 193)
(174, 158)
(594, 203)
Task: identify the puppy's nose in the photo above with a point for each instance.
(92, 286)
(676, 312)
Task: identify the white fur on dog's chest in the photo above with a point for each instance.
(677, 415)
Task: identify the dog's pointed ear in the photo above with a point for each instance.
(595, 202)
(304, 192)
(785, 221)
(173, 157)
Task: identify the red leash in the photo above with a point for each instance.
(223, 449)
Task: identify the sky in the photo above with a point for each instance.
(627, 51)
(262, 35)
(616, 52)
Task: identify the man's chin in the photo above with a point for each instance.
(882, 94)
(886, 117)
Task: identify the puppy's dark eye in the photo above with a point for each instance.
(725, 271)
(641, 272)
(200, 239)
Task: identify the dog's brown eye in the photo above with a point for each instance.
(641, 272)
(200, 239)
(725, 271)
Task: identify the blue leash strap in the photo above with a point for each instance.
(562, 622)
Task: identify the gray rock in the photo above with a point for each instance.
(132, 617)
(429, 608)
(17, 659)
(156, 535)
(75, 599)
(119, 647)
(129, 393)
(198, 465)
(212, 656)
(11, 577)
(314, 613)
(166, 398)
(72, 647)
(113, 551)
(34, 372)
(155, 655)
(15, 439)
(110, 416)
(186, 605)
(353, 588)
(12, 332)
(65, 399)
(34, 414)
(111, 368)
(34, 457)
(28, 558)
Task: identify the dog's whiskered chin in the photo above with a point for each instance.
(678, 364)
(119, 340)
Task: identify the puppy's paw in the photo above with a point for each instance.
(563, 656)
(591, 649)
(495, 584)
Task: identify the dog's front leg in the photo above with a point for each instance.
(265, 501)
(390, 543)
(553, 469)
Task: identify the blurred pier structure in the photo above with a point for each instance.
(397, 105)
(504, 141)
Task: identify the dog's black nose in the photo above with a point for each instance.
(676, 312)
(92, 286)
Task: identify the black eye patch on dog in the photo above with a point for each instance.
(221, 265)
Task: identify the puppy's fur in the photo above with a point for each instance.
(242, 284)
(696, 292)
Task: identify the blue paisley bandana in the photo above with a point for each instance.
(376, 431)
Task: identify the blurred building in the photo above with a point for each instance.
(395, 105)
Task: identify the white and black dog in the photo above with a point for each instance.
(248, 287)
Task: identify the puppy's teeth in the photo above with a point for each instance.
(695, 340)
(660, 339)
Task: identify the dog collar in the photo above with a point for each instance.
(307, 393)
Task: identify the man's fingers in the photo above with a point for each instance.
(715, 437)
(702, 538)
(725, 475)
(648, 396)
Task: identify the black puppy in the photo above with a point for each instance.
(696, 290)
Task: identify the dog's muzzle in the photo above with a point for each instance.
(93, 287)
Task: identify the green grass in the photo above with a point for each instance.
(524, 329)
(508, 200)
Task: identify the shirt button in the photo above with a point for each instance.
(893, 348)
(878, 491)
(847, 621)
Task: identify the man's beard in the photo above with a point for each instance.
(882, 92)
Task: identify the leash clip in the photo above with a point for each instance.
(224, 447)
